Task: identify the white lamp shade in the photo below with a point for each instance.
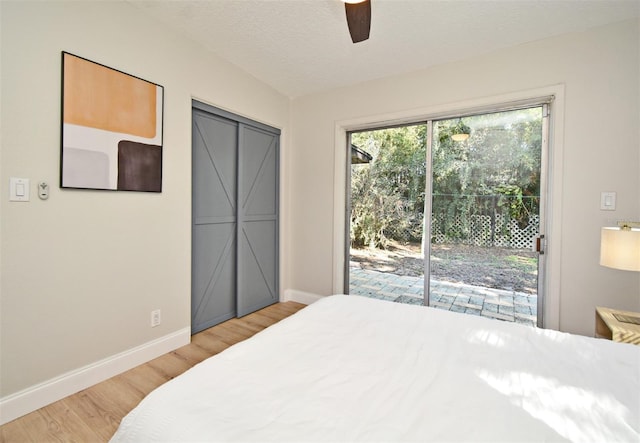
(620, 248)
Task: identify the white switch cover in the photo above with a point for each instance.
(18, 189)
(608, 201)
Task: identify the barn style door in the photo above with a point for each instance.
(214, 220)
(235, 216)
(257, 219)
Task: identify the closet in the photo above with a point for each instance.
(234, 216)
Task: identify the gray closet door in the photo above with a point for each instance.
(214, 198)
(257, 219)
(235, 216)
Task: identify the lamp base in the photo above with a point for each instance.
(627, 318)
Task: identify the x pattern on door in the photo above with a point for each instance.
(234, 244)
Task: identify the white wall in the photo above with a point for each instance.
(81, 272)
(597, 148)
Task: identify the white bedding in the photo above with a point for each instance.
(349, 368)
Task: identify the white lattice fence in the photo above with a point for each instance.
(477, 231)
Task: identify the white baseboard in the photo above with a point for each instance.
(35, 397)
(300, 296)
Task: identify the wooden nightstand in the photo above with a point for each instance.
(609, 327)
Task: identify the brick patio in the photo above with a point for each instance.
(476, 300)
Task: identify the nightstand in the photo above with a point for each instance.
(611, 327)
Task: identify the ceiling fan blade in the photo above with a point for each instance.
(358, 20)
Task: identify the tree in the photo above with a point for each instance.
(387, 195)
(495, 171)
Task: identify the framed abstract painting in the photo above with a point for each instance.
(111, 131)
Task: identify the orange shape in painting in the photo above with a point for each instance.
(102, 98)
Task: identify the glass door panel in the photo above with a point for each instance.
(387, 199)
(485, 214)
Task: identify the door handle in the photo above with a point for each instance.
(540, 244)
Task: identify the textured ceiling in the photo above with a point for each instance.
(301, 47)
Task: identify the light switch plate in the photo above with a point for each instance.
(608, 201)
(18, 189)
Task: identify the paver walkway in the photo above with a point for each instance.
(488, 302)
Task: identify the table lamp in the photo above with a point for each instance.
(620, 249)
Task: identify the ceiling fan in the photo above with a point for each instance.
(358, 18)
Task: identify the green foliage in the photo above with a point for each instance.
(387, 195)
(495, 171)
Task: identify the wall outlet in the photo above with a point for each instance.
(155, 318)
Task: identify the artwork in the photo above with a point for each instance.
(111, 128)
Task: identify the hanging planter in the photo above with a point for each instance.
(460, 132)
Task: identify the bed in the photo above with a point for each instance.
(350, 368)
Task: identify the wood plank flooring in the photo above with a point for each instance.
(93, 415)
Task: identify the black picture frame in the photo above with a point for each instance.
(111, 128)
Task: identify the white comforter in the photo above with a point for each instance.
(348, 368)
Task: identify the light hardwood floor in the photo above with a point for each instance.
(93, 415)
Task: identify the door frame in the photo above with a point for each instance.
(550, 268)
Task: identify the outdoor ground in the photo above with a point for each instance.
(500, 268)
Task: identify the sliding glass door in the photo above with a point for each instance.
(480, 180)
